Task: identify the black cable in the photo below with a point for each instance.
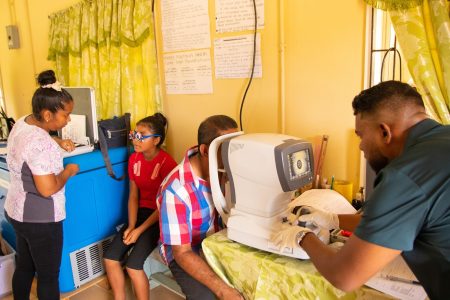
(395, 50)
(399, 60)
(253, 66)
(393, 63)
(382, 63)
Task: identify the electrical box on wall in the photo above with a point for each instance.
(12, 33)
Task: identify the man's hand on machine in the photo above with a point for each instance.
(308, 215)
(291, 235)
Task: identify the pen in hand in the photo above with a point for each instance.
(395, 278)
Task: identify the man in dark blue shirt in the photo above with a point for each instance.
(408, 212)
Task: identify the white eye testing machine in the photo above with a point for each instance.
(263, 170)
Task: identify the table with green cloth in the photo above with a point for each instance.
(263, 275)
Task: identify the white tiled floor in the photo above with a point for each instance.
(98, 289)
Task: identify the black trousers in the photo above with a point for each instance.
(144, 245)
(192, 289)
(38, 251)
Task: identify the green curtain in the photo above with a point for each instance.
(423, 31)
(394, 4)
(109, 45)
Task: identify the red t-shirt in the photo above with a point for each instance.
(148, 175)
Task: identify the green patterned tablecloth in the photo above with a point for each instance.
(263, 275)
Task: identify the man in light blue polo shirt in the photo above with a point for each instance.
(408, 212)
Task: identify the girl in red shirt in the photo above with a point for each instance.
(147, 167)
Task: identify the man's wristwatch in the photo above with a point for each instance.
(300, 236)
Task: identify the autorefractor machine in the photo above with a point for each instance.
(263, 170)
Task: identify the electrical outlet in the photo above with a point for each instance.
(12, 33)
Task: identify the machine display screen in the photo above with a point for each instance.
(299, 164)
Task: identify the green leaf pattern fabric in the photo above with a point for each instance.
(110, 45)
(394, 4)
(423, 32)
(262, 275)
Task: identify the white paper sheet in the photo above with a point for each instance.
(185, 25)
(233, 57)
(75, 130)
(397, 268)
(238, 15)
(188, 72)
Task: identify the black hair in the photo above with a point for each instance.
(158, 124)
(48, 98)
(211, 127)
(391, 94)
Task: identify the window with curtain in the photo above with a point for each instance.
(422, 28)
(109, 45)
(386, 61)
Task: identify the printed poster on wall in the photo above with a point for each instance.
(233, 57)
(188, 72)
(238, 15)
(185, 25)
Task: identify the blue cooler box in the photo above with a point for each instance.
(95, 205)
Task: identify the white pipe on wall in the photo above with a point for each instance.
(367, 83)
(33, 57)
(282, 68)
(12, 12)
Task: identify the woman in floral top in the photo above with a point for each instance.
(35, 203)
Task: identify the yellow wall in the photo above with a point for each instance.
(20, 67)
(324, 58)
(323, 68)
(324, 48)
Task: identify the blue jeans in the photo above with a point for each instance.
(38, 251)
